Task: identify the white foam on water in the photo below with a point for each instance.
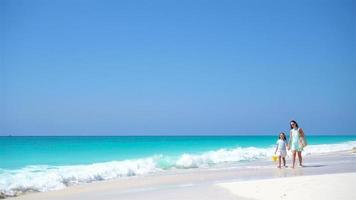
(221, 156)
(44, 178)
(328, 148)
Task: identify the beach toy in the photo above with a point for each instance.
(274, 158)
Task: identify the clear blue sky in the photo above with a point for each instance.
(177, 67)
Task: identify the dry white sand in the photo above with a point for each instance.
(323, 187)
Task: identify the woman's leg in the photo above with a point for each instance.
(293, 157)
(300, 158)
(279, 161)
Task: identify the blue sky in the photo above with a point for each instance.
(105, 67)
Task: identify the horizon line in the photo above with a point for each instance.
(175, 135)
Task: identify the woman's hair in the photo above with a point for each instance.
(296, 124)
(284, 136)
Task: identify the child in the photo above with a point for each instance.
(281, 149)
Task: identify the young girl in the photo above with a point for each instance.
(281, 149)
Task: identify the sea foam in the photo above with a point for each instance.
(44, 178)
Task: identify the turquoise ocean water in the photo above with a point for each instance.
(18, 152)
(47, 163)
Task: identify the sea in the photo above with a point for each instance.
(43, 163)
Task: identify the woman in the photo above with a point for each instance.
(296, 142)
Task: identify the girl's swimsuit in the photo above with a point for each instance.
(295, 143)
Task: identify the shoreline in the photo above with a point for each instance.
(195, 182)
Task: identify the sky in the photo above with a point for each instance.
(105, 67)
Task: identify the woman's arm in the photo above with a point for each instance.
(301, 132)
(302, 137)
(290, 140)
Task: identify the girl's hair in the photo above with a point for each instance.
(296, 124)
(284, 136)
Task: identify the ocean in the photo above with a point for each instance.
(55, 162)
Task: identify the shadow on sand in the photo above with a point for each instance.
(306, 166)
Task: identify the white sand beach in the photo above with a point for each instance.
(330, 186)
(327, 176)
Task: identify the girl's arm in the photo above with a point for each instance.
(275, 151)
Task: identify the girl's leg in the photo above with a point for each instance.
(284, 161)
(293, 157)
(279, 161)
(300, 158)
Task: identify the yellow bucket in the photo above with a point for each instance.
(274, 158)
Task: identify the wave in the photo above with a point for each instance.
(44, 178)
